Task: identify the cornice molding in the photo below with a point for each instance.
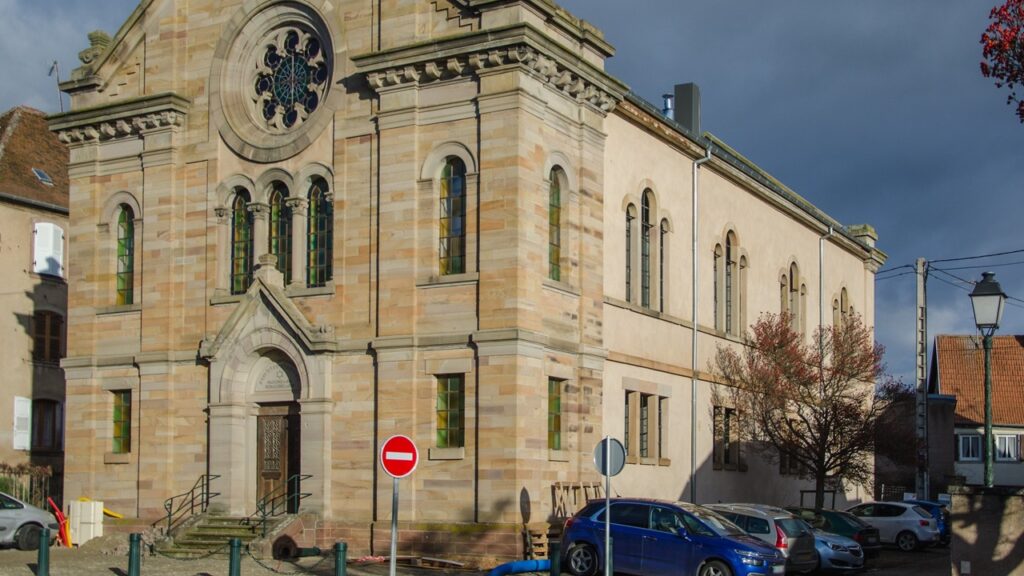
(129, 118)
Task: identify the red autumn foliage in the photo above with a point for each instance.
(1003, 50)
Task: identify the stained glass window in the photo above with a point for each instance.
(645, 250)
(554, 414)
(450, 409)
(555, 226)
(630, 216)
(241, 243)
(452, 258)
(291, 78)
(125, 256)
(320, 235)
(281, 230)
(122, 419)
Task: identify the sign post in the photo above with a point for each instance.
(609, 458)
(398, 457)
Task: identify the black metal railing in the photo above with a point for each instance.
(282, 500)
(190, 503)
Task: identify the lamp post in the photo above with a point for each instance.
(987, 299)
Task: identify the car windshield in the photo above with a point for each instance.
(715, 521)
(793, 527)
(849, 520)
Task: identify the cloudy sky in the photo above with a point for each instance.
(874, 110)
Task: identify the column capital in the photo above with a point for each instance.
(259, 209)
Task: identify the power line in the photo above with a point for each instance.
(958, 278)
(1018, 263)
(994, 254)
(887, 270)
(877, 279)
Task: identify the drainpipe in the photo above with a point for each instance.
(821, 288)
(693, 339)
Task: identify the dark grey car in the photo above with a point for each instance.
(21, 524)
(778, 527)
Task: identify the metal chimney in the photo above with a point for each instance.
(668, 110)
(687, 111)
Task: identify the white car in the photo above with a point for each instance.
(22, 524)
(908, 526)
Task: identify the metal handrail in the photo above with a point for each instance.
(186, 504)
(276, 502)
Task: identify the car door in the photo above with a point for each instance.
(665, 547)
(870, 514)
(629, 521)
(9, 517)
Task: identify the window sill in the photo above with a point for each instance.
(558, 455)
(114, 458)
(648, 461)
(631, 459)
(559, 286)
(302, 291)
(125, 309)
(450, 280)
(664, 461)
(446, 453)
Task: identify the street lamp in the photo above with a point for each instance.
(987, 299)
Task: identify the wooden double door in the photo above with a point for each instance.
(278, 455)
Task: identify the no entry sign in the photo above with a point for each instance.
(398, 456)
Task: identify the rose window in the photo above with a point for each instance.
(291, 78)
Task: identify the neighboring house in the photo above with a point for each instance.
(958, 370)
(33, 292)
(458, 227)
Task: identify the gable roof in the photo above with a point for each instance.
(958, 368)
(26, 143)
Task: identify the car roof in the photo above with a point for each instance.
(759, 509)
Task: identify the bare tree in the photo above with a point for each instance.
(816, 402)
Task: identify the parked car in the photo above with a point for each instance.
(940, 512)
(656, 537)
(22, 524)
(908, 526)
(836, 553)
(777, 527)
(843, 524)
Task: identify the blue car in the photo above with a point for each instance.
(941, 514)
(661, 538)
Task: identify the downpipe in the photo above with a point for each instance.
(693, 339)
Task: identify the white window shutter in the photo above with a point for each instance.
(22, 423)
(48, 256)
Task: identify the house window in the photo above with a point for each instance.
(450, 411)
(625, 428)
(645, 426)
(726, 450)
(281, 230)
(453, 217)
(241, 243)
(320, 236)
(630, 217)
(122, 420)
(48, 250)
(717, 288)
(48, 337)
(555, 413)
(788, 463)
(645, 249)
(662, 247)
(644, 421)
(555, 226)
(125, 256)
(730, 279)
(1007, 448)
(970, 446)
(793, 304)
(47, 425)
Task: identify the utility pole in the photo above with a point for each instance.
(921, 486)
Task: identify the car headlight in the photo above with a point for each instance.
(837, 547)
(751, 558)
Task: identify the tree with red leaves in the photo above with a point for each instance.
(1003, 50)
(816, 402)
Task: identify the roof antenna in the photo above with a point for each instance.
(55, 69)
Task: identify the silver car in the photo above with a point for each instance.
(22, 524)
(780, 528)
(908, 526)
(837, 553)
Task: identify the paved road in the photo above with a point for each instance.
(929, 562)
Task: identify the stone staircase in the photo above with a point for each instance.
(208, 534)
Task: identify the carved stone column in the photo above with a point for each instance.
(300, 214)
(220, 282)
(261, 229)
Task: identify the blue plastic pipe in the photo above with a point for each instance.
(521, 566)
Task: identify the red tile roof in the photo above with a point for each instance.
(26, 143)
(960, 364)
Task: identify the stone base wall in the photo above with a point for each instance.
(988, 531)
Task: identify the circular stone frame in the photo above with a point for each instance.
(233, 112)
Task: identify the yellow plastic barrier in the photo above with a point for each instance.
(106, 512)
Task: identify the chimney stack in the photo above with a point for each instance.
(687, 107)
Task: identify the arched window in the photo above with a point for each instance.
(730, 283)
(320, 236)
(555, 225)
(452, 256)
(630, 217)
(793, 305)
(645, 249)
(241, 242)
(662, 272)
(717, 288)
(125, 256)
(281, 230)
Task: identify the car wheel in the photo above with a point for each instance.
(582, 560)
(906, 541)
(715, 568)
(27, 537)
